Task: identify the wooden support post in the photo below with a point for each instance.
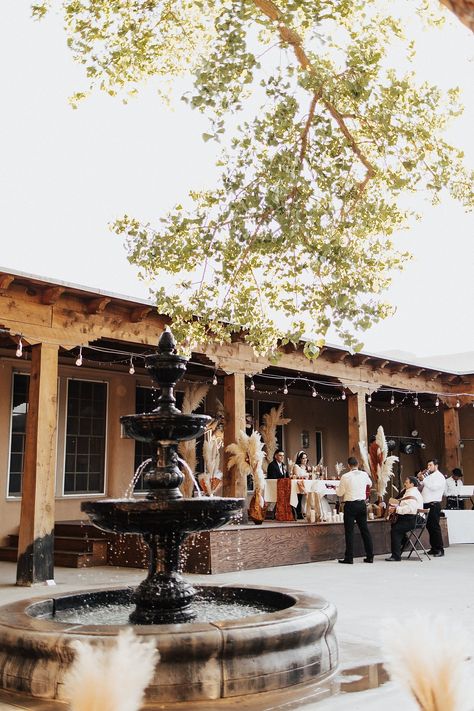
(234, 405)
(357, 422)
(36, 540)
(452, 454)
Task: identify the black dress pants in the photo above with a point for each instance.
(432, 524)
(402, 525)
(355, 512)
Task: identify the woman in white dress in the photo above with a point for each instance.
(300, 471)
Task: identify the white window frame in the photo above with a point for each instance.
(88, 495)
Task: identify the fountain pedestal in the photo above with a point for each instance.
(166, 518)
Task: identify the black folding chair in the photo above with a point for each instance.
(413, 537)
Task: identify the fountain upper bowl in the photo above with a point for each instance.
(164, 426)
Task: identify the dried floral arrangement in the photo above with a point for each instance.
(212, 477)
(377, 462)
(247, 455)
(429, 656)
(272, 420)
(110, 678)
(194, 394)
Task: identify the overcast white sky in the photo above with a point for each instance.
(64, 175)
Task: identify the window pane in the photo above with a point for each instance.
(85, 437)
(20, 387)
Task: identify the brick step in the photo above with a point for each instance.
(65, 559)
(78, 529)
(70, 543)
(8, 553)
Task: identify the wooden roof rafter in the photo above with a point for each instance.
(97, 306)
(140, 313)
(51, 295)
(6, 280)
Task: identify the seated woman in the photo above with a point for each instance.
(406, 509)
(300, 470)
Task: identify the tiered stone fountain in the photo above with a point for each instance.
(287, 639)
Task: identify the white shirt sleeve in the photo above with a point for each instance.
(341, 489)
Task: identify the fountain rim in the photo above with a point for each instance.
(16, 616)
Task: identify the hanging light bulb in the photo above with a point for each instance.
(19, 349)
(214, 379)
(343, 396)
(392, 399)
(131, 370)
(458, 404)
(369, 398)
(285, 388)
(437, 402)
(415, 401)
(252, 384)
(79, 357)
(313, 393)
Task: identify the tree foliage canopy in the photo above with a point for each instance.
(312, 179)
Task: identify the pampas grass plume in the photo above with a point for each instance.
(428, 656)
(104, 678)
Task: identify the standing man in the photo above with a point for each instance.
(433, 486)
(277, 468)
(353, 488)
(453, 485)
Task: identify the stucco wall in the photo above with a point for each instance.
(119, 452)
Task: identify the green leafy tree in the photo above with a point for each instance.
(298, 234)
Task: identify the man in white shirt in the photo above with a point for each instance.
(406, 510)
(353, 489)
(433, 486)
(453, 484)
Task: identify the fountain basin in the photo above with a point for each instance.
(220, 659)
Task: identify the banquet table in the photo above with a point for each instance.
(324, 487)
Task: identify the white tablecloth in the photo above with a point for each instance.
(320, 486)
(460, 526)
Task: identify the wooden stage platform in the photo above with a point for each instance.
(244, 547)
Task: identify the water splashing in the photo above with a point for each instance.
(136, 476)
(189, 472)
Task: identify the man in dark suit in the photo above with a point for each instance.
(277, 469)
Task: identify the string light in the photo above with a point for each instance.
(131, 370)
(369, 398)
(127, 357)
(313, 393)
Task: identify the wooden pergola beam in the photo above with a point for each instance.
(36, 540)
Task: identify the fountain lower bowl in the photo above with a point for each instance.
(157, 517)
(198, 660)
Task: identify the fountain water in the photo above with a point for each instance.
(287, 639)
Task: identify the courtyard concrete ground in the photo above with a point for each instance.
(365, 596)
